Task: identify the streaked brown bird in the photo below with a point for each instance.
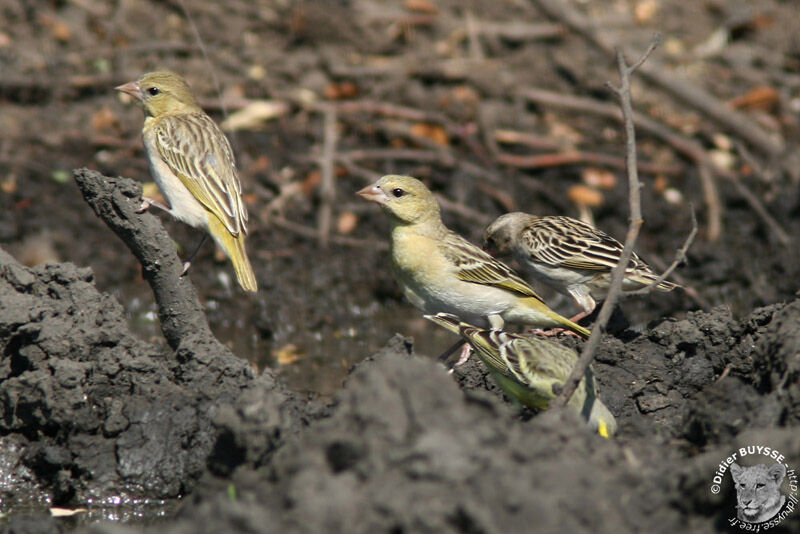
(569, 255)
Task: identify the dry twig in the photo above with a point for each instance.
(623, 93)
(680, 88)
(327, 190)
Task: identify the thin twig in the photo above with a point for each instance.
(688, 147)
(783, 237)
(327, 189)
(574, 157)
(713, 202)
(311, 233)
(680, 257)
(680, 88)
(623, 93)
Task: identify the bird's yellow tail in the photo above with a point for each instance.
(234, 248)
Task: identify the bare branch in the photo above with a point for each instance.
(116, 201)
(680, 257)
(623, 92)
(327, 187)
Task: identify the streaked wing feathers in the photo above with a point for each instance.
(476, 266)
(197, 151)
(566, 242)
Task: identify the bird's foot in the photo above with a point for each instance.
(147, 202)
(554, 332)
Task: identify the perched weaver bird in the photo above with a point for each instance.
(526, 369)
(192, 162)
(440, 271)
(570, 256)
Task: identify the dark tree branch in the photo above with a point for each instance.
(115, 201)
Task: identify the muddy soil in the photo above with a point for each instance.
(98, 411)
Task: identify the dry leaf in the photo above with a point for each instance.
(103, 119)
(254, 115)
(9, 185)
(421, 6)
(311, 182)
(347, 222)
(434, 132)
(340, 91)
(660, 184)
(645, 11)
(288, 354)
(762, 97)
(585, 196)
(66, 512)
(599, 178)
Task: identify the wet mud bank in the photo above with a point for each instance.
(90, 412)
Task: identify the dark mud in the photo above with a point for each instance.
(101, 406)
(90, 413)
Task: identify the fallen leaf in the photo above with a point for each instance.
(660, 184)
(585, 196)
(421, 6)
(599, 178)
(66, 512)
(9, 185)
(340, 91)
(311, 182)
(288, 354)
(347, 222)
(434, 132)
(762, 97)
(645, 11)
(61, 176)
(103, 119)
(254, 115)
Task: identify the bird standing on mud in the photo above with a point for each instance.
(569, 255)
(440, 271)
(526, 369)
(192, 162)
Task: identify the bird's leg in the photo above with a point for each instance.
(188, 262)
(463, 358)
(147, 202)
(446, 354)
(496, 323)
(578, 316)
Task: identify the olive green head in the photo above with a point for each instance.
(161, 93)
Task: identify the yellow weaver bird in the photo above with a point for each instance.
(192, 162)
(526, 369)
(440, 271)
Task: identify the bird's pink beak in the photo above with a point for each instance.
(373, 193)
(131, 88)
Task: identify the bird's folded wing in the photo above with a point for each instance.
(565, 242)
(198, 153)
(474, 265)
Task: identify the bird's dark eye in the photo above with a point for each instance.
(397, 192)
(153, 91)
